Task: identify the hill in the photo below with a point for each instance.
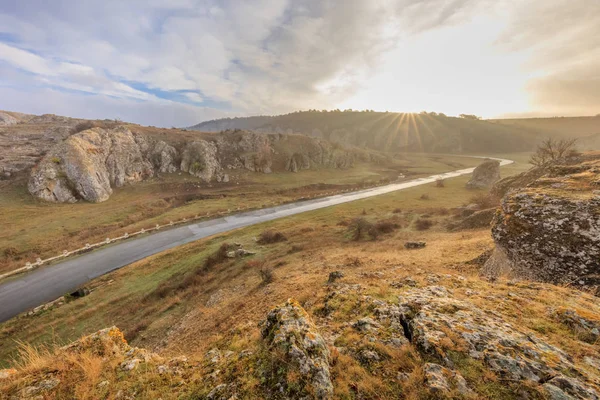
(396, 132)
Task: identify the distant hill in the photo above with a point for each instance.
(586, 129)
(427, 132)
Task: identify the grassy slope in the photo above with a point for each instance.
(32, 228)
(129, 298)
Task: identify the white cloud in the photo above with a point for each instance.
(269, 56)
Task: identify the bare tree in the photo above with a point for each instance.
(552, 149)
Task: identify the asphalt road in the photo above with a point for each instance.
(48, 283)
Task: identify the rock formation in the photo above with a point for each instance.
(485, 175)
(288, 329)
(550, 228)
(89, 164)
(7, 119)
(512, 354)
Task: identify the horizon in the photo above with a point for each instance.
(186, 62)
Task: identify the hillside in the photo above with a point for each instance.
(319, 312)
(392, 132)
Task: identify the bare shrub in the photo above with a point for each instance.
(424, 196)
(268, 237)
(386, 226)
(439, 183)
(266, 275)
(360, 227)
(10, 252)
(397, 211)
(423, 224)
(551, 150)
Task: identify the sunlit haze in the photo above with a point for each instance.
(182, 62)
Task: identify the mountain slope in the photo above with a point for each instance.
(427, 132)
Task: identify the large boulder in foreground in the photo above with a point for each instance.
(87, 165)
(485, 175)
(290, 333)
(550, 229)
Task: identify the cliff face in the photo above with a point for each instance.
(549, 222)
(88, 164)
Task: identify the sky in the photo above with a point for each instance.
(180, 62)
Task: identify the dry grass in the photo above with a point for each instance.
(269, 237)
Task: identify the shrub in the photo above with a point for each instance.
(268, 237)
(423, 224)
(217, 257)
(360, 227)
(386, 226)
(439, 183)
(397, 211)
(424, 196)
(552, 149)
(10, 252)
(266, 275)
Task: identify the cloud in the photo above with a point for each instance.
(266, 56)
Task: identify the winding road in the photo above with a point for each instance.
(48, 283)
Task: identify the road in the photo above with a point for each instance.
(48, 283)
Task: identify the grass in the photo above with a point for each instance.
(186, 319)
(33, 229)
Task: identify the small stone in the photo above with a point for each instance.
(415, 245)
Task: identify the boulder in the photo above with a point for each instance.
(550, 229)
(199, 158)
(289, 331)
(87, 165)
(485, 175)
(414, 245)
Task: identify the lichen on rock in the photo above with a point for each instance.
(289, 330)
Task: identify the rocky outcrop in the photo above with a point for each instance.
(7, 119)
(485, 175)
(87, 165)
(438, 324)
(199, 158)
(289, 330)
(550, 229)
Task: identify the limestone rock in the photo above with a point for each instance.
(441, 381)
(415, 245)
(87, 165)
(7, 119)
(485, 175)
(550, 234)
(506, 350)
(289, 329)
(164, 157)
(199, 158)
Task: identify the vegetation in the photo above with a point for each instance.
(269, 236)
(552, 150)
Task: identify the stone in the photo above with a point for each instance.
(289, 329)
(485, 175)
(415, 245)
(199, 158)
(506, 350)
(366, 324)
